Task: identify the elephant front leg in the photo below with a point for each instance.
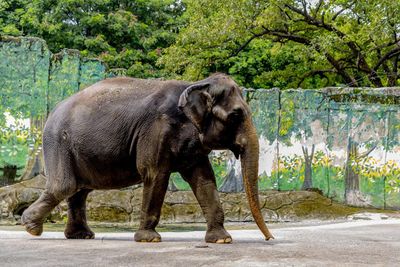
(202, 181)
(153, 197)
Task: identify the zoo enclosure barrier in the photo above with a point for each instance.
(344, 142)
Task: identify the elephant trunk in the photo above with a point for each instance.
(249, 161)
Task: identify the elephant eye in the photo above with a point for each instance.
(235, 115)
(218, 98)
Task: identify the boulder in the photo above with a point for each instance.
(179, 206)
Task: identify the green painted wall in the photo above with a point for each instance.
(342, 141)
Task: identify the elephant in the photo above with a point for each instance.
(124, 131)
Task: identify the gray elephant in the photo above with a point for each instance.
(124, 131)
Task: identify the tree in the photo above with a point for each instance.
(308, 159)
(285, 117)
(24, 72)
(360, 128)
(343, 42)
(125, 34)
(14, 142)
(387, 169)
(303, 120)
(352, 193)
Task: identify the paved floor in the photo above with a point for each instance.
(354, 243)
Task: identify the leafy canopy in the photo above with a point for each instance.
(125, 34)
(290, 43)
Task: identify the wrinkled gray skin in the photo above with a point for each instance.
(123, 131)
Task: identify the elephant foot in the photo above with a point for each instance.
(78, 233)
(147, 236)
(220, 236)
(33, 227)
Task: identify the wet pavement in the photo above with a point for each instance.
(353, 243)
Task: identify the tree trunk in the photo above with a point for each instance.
(353, 196)
(233, 181)
(307, 176)
(352, 180)
(35, 164)
(9, 174)
(308, 158)
(351, 177)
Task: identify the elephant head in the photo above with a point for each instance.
(217, 109)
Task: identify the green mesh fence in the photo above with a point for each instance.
(344, 142)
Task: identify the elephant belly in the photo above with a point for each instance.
(95, 174)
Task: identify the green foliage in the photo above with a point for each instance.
(13, 149)
(262, 44)
(219, 165)
(178, 181)
(326, 176)
(24, 72)
(218, 162)
(16, 141)
(286, 43)
(32, 82)
(24, 77)
(289, 43)
(125, 34)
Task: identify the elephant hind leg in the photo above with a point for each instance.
(34, 216)
(60, 185)
(77, 227)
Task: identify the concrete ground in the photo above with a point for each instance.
(353, 243)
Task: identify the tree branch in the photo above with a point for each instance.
(304, 4)
(362, 63)
(243, 46)
(280, 34)
(318, 7)
(287, 35)
(365, 154)
(394, 52)
(314, 72)
(305, 152)
(395, 75)
(312, 151)
(303, 12)
(336, 64)
(300, 39)
(342, 10)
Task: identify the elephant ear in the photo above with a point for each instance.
(196, 103)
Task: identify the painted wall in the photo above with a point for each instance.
(342, 141)
(32, 82)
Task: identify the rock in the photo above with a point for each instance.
(179, 206)
(275, 201)
(14, 199)
(110, 205)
